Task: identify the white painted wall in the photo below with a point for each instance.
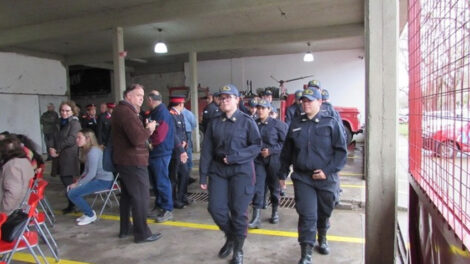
(341, 72)
(27, 85)
(160, 82)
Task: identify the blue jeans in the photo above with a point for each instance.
(160, 180)
(76, 194)
(189, 150)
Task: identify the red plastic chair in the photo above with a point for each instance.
(39, 221)
(27, 239)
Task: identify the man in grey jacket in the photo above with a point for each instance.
(49, 123)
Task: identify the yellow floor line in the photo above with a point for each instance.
(27, 257)
(350, 174)
(266, 232)
(342, 185)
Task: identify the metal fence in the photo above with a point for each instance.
(439, 127)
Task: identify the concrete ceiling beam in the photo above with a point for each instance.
(107, 66)
(242, 41)
(158, 11)
(33, 53)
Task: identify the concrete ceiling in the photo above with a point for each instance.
(80, 32)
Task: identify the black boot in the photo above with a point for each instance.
(69, 209)
(238, 251)
(322, 243)
(255, 219)
(227, 248)
(306, 253)
(274, 216)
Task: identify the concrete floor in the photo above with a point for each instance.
(193, 238)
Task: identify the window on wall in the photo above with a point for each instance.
(86, 81)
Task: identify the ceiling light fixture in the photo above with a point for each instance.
(308, 57)
(160, 47)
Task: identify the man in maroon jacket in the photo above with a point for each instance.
(131, 155)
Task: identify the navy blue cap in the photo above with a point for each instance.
(229, 89)
(264, 103)
(314, 84)
(268, 92)
(252, 103)
(311, 94)
(325, 95)
(298, 94)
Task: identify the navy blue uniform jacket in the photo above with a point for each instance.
(236, 138)
(313, 144)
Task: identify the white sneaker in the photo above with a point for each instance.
(87, 219)
(80, 218)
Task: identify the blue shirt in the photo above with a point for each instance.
(189, 120)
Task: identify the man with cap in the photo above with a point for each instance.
(267, 164)
(317, 150)
(268, 96)
(162, 141)
(210, 112)
(295, 110)
(179, 173)
(89, 119)
(104, 125)
(314, 84)
(252, 103)
(327, 107)
(231, 143)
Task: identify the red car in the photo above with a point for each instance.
(449, 140)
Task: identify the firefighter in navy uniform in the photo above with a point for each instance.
(179, 173)
(104, 125)
(295, 110)
(316, 148)
(89, 120)
(273, 133)
(210, 112)
(231, 143)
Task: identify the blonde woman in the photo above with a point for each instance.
(94, 177)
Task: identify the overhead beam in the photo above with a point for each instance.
(242, 41)
(155, 12)
(108, 66)
(33, 53)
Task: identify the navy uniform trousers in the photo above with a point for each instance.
(230, 192)
(314, 204)
(267, 176)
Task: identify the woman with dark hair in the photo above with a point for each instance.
(64, 147)
(29, 148)
(15, 174)
(94, 177)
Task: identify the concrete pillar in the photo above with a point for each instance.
(194, 97)
(381, 25)
(118, 64)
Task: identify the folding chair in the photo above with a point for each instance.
(44, 203)
(105, 195)
(39, 222)
(27, 239)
